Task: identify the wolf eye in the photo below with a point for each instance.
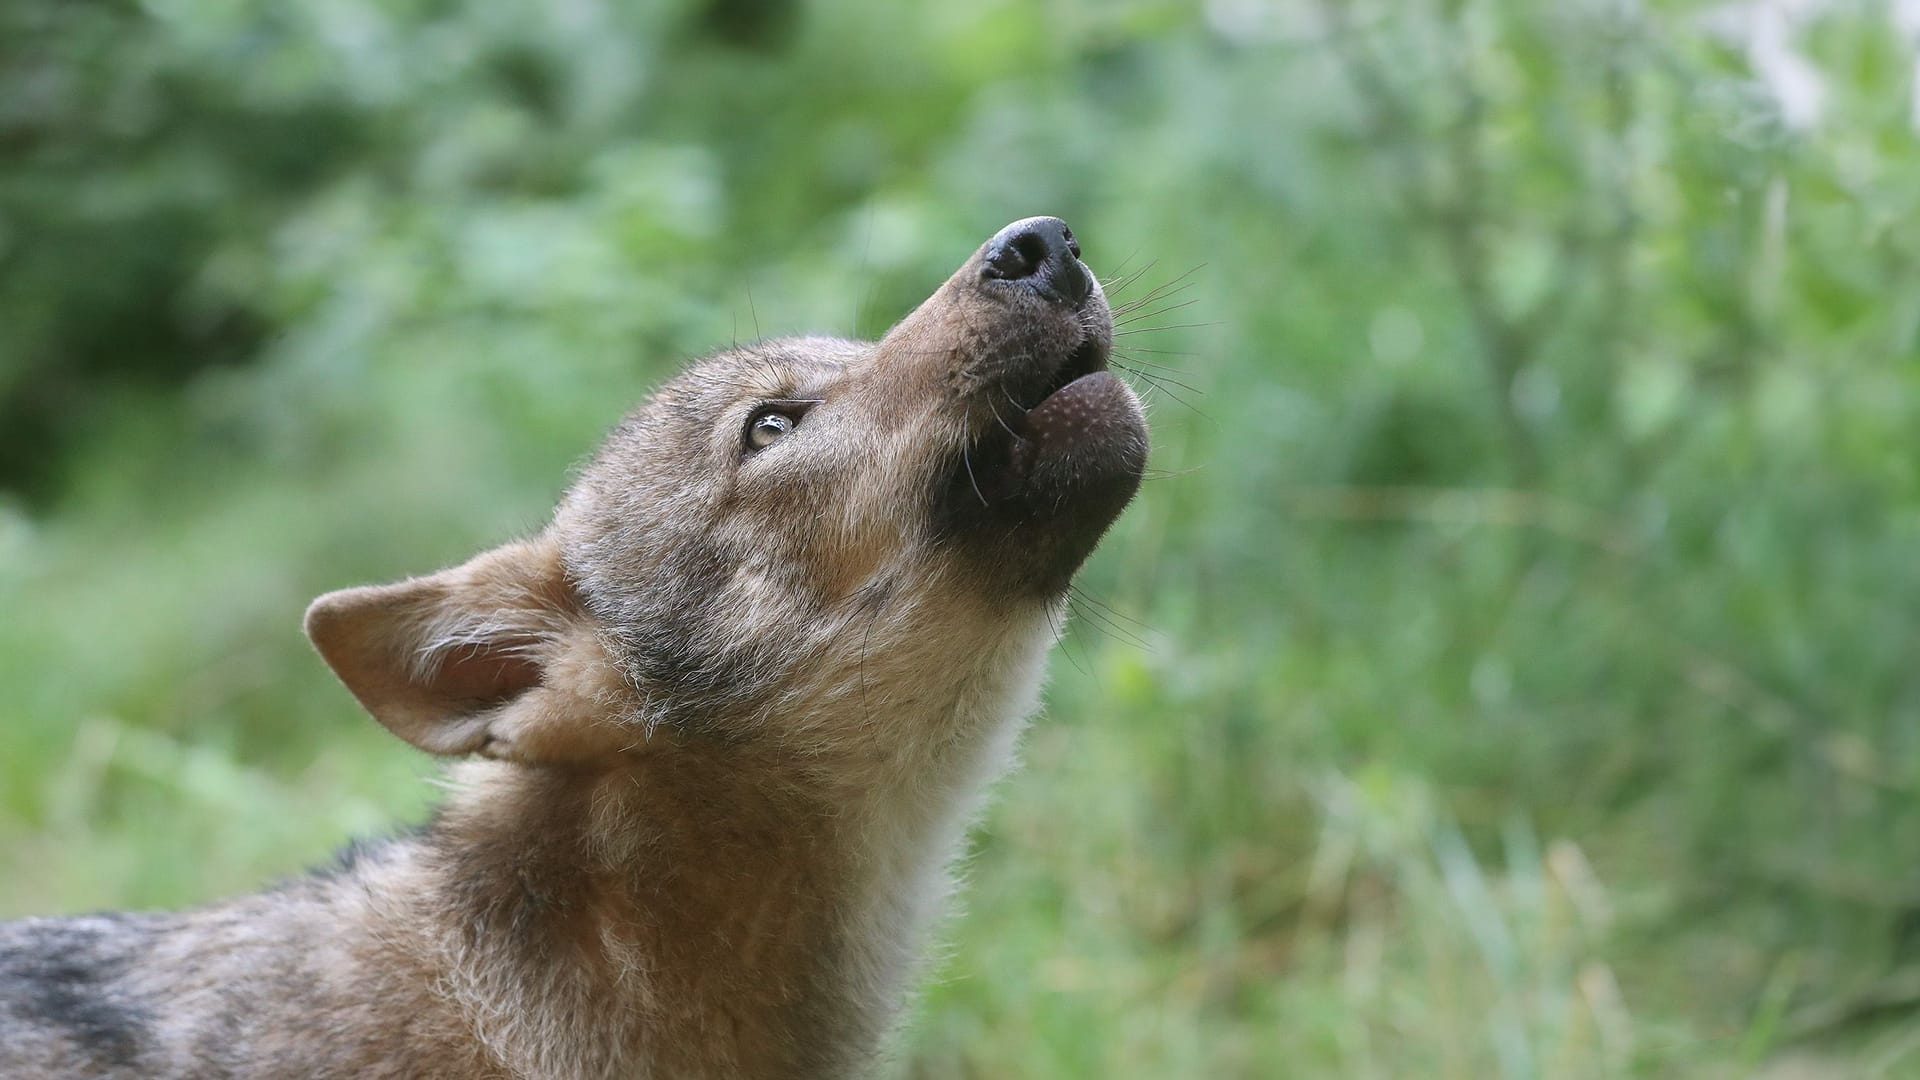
(766, 427)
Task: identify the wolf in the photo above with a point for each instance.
(714, 733)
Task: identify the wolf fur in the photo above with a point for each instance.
(715, 734)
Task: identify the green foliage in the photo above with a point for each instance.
(1527, 577)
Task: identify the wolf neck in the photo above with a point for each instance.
(762, 908)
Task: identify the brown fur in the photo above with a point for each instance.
(725, 721)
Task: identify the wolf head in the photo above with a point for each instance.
(790, 542)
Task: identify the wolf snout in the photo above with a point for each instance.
(1039, 253)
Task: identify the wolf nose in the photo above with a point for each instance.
(1041, 252)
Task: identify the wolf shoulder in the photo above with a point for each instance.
(272, 985)
(65, 1006)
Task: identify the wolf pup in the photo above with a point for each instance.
(723, 724)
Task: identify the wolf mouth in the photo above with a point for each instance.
(1076, 421)
(1086, 360)
(1090, 357)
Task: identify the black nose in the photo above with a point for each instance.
(1042, 252)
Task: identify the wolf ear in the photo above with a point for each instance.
(439, 659)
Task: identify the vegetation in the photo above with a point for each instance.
(1508, 672)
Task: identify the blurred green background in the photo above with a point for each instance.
(1525, 681)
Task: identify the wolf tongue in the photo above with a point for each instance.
(1081, 458)
(1080, 409)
